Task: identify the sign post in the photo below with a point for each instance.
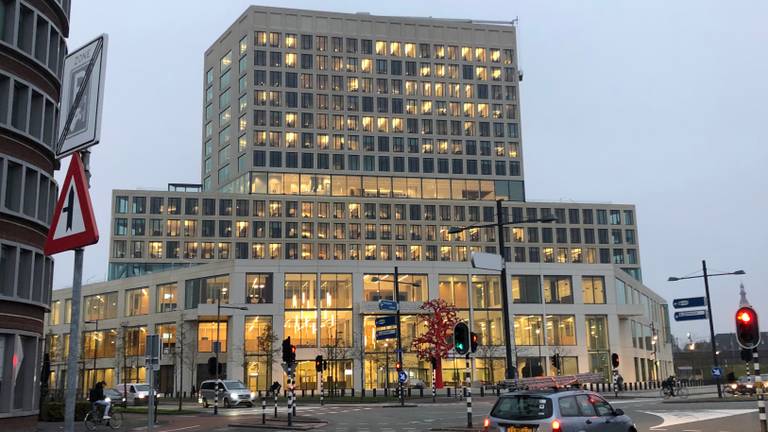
(153, 364)
(689, 302)
(691, 315)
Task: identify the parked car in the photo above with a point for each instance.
(231, 393)
(113, 396)
(745, 385)
(416, 383)
(556, 411)
(136, 393)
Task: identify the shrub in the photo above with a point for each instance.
(53, 411)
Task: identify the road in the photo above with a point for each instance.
(649, 414)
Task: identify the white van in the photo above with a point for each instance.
(231, 393)
(136, 393)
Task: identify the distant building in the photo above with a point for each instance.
(334, 148)
(32, 51)
(697, 362)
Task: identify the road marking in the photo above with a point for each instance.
(673, 418)
(181, 428)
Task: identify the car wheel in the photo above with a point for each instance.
(205, 403)
(632, 429)
(226, 403)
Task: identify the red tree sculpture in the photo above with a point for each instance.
(435, 343)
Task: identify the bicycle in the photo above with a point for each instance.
(680, 391)
(94, 418)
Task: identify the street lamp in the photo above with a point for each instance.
(399, 339)
(538, 342)
(706, 277)
(218, 343)
(95, 347)
(500, 224)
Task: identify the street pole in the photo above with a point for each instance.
(74, 344)
(711, 327)
(759, 391)
(218, 348)
(508, 372)
(469, 393)
(95, 350)
(399, 339)
(386, 370)
(181, 362)
(290, 394)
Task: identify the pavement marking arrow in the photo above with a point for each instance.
(673, 418)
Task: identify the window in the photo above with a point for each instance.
(137, 302)
(528, 330)
(593, 289)
(166, 297)
(557, 289)
(208, 333)
(486, 292)
(381, 286)
(561, 330)
(453, 289)
(526, 289)
(258, 288)
(300, 291)
(206, 291)
(597, 332)
(100, 306)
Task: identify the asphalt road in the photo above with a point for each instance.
(649, 414)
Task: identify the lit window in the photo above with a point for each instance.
(381, 48)
(395, 49)
(210, 332)
(480, 54)
(290, 60)
(226, 60)
(137, 302)
(410, 49)
(366, 65)
(290, 40)
(466, 53)
(243, 45)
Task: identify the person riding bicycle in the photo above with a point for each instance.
(670, 384)
(97, 398)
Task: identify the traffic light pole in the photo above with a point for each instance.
(711, 327)
(469, 393)
(290, 393)
(321, 385)
(399, 339)
(509, 366)
(759, 391)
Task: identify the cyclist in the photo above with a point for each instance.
(669, 384)
(97, 398)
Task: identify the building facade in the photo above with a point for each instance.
(32, 51)
(334, 148)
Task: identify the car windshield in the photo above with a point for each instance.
(523, 407)
(234, 385)
(141, 387)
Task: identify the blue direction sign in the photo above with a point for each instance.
(386, 334)
(386, 321)
(691, 315)
(689, 302)
(387, 305)
(402, 377)
(717, 372)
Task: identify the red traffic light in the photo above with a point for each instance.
(747, 328)
(398, 366)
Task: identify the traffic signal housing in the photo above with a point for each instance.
(555, 361)
(746, 355)
(474, 341)
(747, 328)
(319, 363)
(615, 360)
(461, 338)
(287, 350)
(398, 366)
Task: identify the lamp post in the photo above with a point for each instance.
(399, 339)
(538, 342)
(217, 346)
(500, 224)
(95, 348)
(706, 277)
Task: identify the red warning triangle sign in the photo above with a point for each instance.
(73, 224)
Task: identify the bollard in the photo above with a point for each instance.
(482, 391)
(343, 392)
(353, 392)
(421, 392)
(374, 392)
(275, 393)
(449, 391)
(263, 409)
(409, 392)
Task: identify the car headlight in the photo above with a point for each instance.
(749, 385)
(233, 395)
(199, 400)
(253, 395)
(107, 399)
(733, 386)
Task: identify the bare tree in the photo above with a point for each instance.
(267, 346)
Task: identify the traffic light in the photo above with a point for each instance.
(287, 350)
(325, 364)
(293, 354)
(615, 360)
(555, 361)
(474, 341)
(461, 338)
(433, 361)
(319, 363)
(398, 366)
(211, 366)
(747, 328)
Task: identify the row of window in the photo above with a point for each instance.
(25, 274)
(355, 231)
(25, 191)
(32, 112)
(370, 188)
(341, 251)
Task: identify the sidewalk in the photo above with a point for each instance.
(692, 391)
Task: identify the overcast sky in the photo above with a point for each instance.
(654, 103)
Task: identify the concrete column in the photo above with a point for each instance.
(236, 346)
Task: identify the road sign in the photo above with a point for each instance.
(717, 372)
(691, 315)
(77, 227)
(82, 95)
(386, 334)
(386, 321)
(689, 302)
(402, 377)
(387, 305)
(486, 261)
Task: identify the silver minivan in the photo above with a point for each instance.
(231, 393)
(556, 411)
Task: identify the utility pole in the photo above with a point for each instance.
(399, 338)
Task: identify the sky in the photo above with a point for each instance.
(654, 103)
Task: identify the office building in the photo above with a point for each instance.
(334, 148)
